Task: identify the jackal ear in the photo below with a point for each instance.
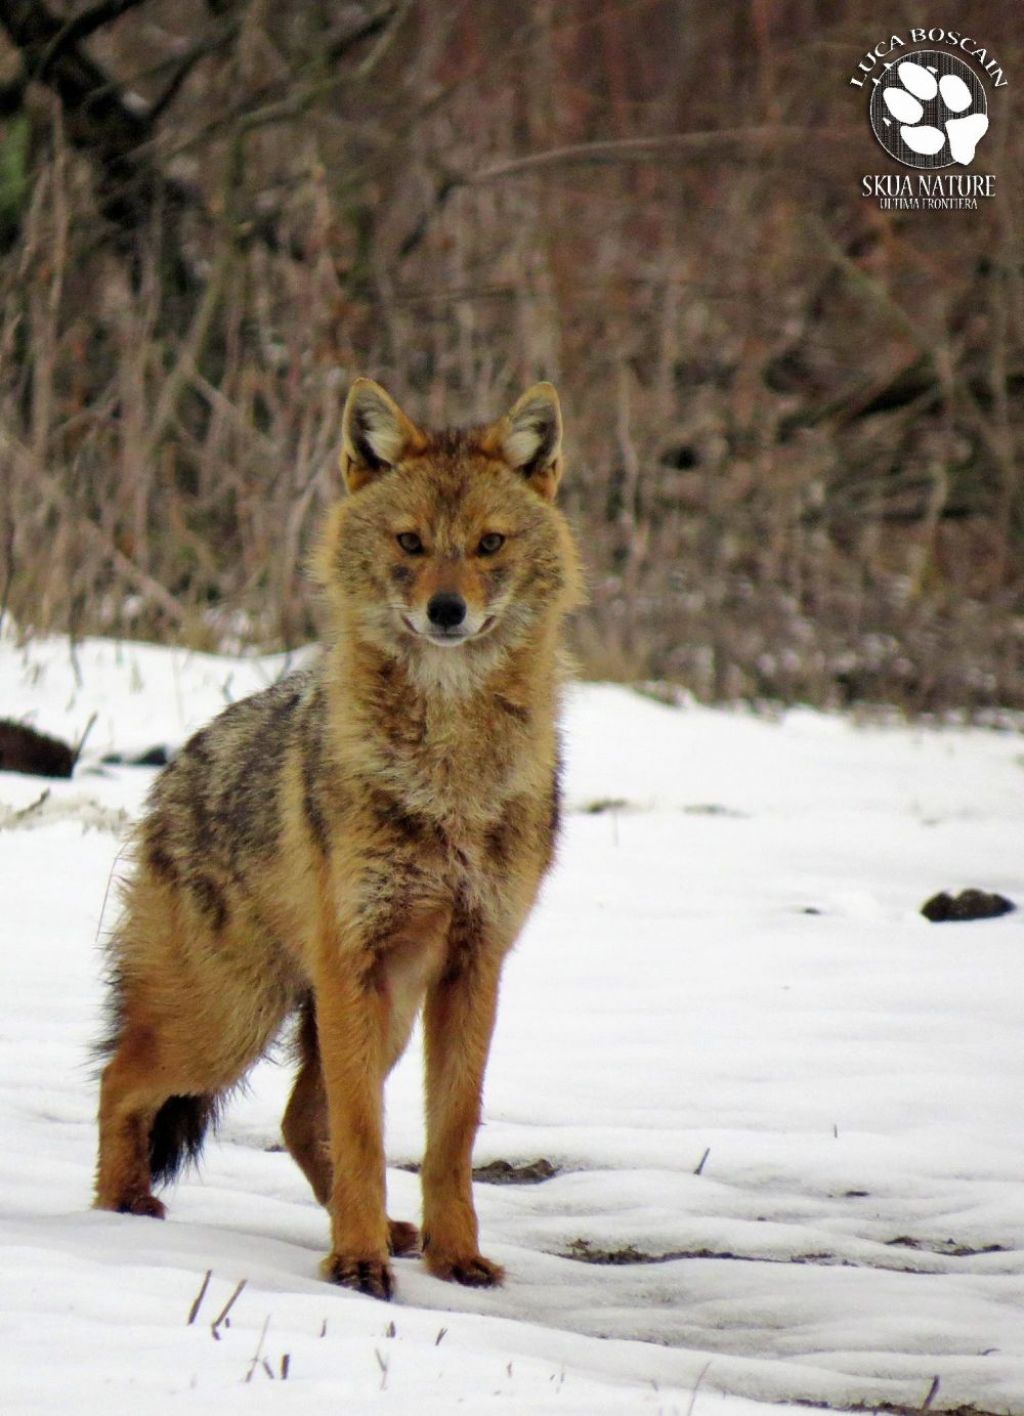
(375, 434)
(529, 438)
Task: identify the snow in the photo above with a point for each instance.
(727, 1025)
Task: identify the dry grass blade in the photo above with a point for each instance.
(223, 1314)
(258, 1358)
(382, 1363)
(696, 1387)
(76, 751)
(33, 806)
(197, 1303)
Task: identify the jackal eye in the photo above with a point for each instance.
(410, 543)
(490, 543)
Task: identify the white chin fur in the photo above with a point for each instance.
(452, 675)
(447, 641)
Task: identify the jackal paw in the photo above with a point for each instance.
(370, 1276)
(403, 1238)
(472, 1270)
(144, 1204)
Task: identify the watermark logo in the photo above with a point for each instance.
(929, 110)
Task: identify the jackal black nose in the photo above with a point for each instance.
(446, 610)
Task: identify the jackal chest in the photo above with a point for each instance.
(450, 812)
(409, 855)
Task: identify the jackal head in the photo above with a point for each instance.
(449, 541)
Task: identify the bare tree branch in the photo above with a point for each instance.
(633, 149)
(184, 67)
(97, 119)
(85, 24)
(12, 94)
(448, 184)
(287, 98)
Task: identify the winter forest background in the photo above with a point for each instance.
(794, 419)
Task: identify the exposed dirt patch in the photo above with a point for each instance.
(504, 1172)
(947, 1247)
(969, 904)
(584, 1252)
(893, 1408)
(24, 749)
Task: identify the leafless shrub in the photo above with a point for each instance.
(796, 460)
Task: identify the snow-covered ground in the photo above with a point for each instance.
(791, 1108)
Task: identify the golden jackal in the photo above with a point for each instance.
(362, 838)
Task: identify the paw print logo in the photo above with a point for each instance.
(930, 110)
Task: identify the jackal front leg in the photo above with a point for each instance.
(352, 1026)
(367, 992)
(307, 1135)
(458, 1024)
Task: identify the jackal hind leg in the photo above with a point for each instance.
(160, 1089)
(131, 1095)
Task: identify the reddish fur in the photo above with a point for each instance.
(359, 841)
